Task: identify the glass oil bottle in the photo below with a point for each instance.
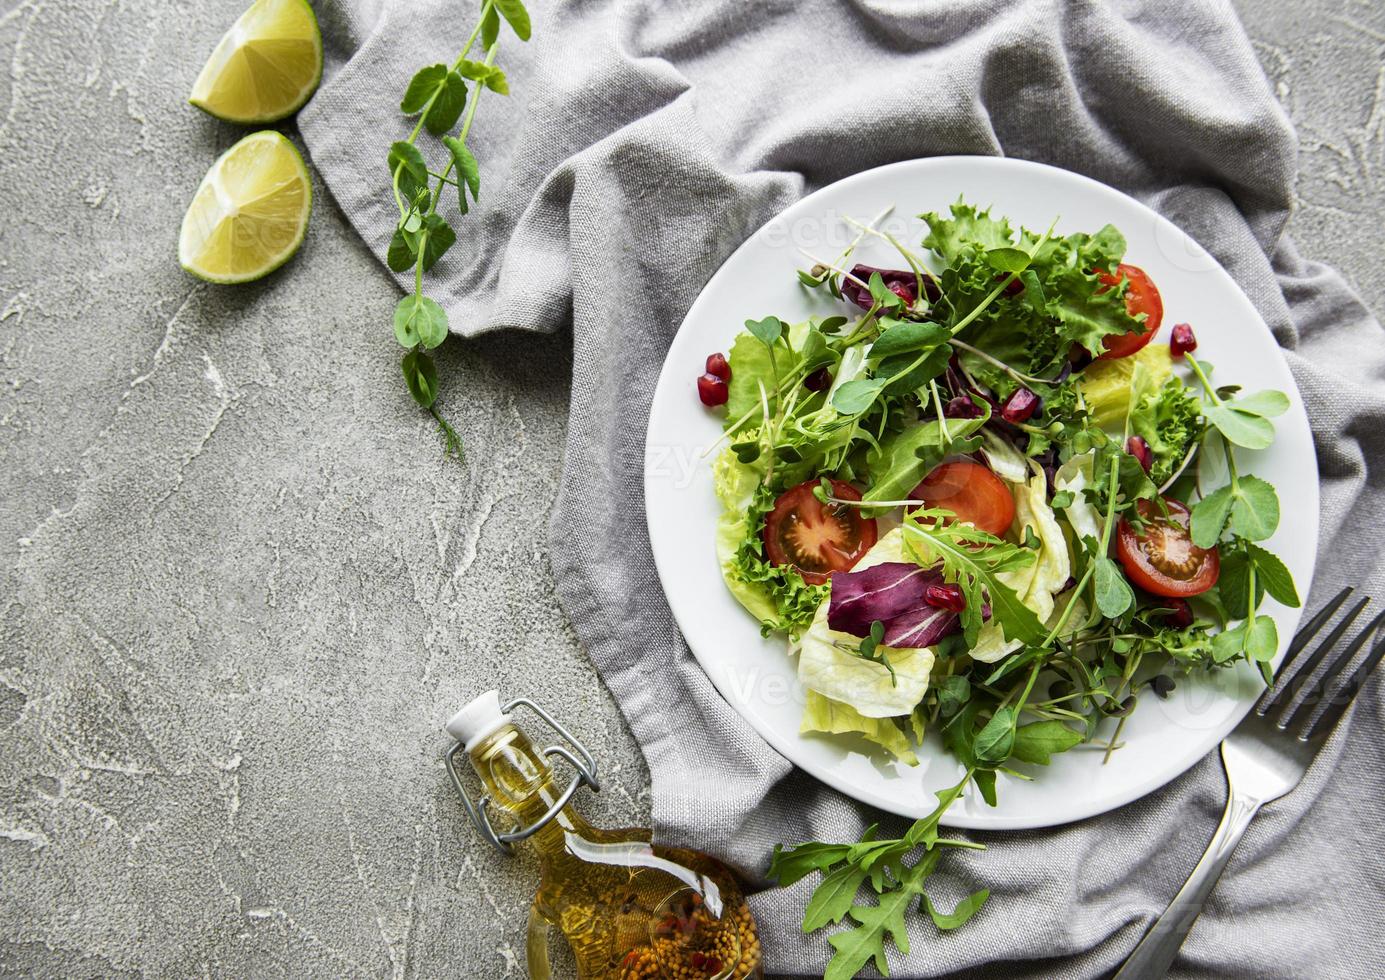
(629, 909)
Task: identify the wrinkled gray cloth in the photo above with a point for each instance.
(643, 141)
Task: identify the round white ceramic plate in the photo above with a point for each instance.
(1163, 738)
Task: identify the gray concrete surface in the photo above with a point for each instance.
(241, 588)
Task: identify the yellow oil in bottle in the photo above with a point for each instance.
(627, 908)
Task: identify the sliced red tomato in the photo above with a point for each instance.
(972, 492)
(816, 538)
(1163, 559)
(1142, 297)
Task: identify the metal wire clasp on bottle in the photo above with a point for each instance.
(586, 774)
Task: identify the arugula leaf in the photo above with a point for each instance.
(997, 738)
(834, 897)
(1035, 743)
(788, 865)
(953, 692)
(974, 570)
(856, 946)
(959, 916)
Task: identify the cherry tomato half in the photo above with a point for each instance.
(972, 492)
(816, 538)
(1163, 560)
(1141, 297)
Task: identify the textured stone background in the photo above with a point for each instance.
(241, 588)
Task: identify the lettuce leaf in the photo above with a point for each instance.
(822, 714)
(1107, 385)
(1169, 420)
(778, 598)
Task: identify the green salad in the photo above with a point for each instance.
(983, 500)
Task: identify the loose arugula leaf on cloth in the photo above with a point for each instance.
(846, 868)
(959, 916)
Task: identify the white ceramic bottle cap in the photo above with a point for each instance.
(480, 717)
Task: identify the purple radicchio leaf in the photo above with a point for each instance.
(880, 592)
(921, 626)
(902, 282)
(893, 593)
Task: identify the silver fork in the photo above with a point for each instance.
(1265, 758)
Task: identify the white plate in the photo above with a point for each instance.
(1163, 738)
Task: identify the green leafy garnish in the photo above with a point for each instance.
(438, 95)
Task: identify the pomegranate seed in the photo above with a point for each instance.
(1183, 340)
(712, 390)
(945, 596)
(699, 960)
(1137, 447)
(713, 965)
(1012, 288)
(716, 364)
(818, 380)
(1180, 614)
(1019, 406)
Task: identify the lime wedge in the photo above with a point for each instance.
(266, 66)
(249, 214)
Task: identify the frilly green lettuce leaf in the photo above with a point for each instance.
(822, 714)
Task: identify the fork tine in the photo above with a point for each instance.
(1304, 710)
(1284, 690)
(1346, 694)
(1307, 631)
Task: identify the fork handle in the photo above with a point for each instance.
(1157, 951)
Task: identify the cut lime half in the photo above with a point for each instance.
(250, 213)
(266, 66)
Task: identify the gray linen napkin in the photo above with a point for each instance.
(644, 140)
